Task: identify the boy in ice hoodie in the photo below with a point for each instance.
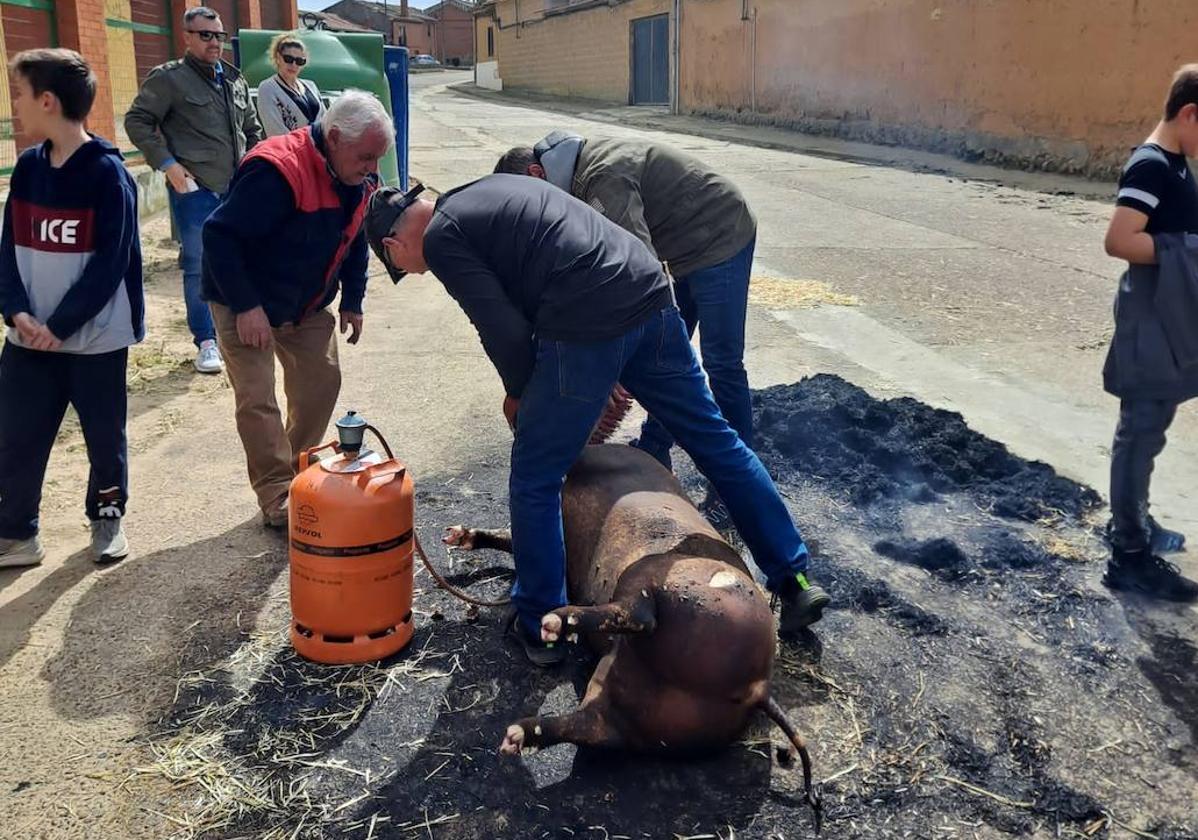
(71, 292)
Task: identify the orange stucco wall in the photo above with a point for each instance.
(1063, 84)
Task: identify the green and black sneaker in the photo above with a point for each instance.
(803, 604)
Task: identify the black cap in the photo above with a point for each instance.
(386, 206)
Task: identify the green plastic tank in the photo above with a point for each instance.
(337, 61)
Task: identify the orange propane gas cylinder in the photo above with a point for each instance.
(351, 517)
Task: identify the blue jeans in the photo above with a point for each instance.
(560, 405)
(191, 211)
(715, 300)
(35, 390)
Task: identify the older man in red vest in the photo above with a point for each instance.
(288, 237)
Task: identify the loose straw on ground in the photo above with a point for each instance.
(228, 782)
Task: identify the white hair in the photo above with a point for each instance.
(354, 113)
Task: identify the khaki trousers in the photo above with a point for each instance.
(311, 381)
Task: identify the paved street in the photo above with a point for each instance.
(987, 299)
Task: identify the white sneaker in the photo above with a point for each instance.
(17, 553)
(108, 540)
(208, 360)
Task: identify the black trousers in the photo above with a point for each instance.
(1139, 438)
(35, 390)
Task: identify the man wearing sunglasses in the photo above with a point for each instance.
(193, 121)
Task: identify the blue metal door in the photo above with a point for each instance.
(651, 60)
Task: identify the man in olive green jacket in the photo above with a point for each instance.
(193, 120)
(697, 222)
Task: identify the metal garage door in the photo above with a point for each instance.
(651, 61)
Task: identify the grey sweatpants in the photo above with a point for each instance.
(1139, 438)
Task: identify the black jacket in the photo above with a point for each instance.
(527, 261)
(1154, 352)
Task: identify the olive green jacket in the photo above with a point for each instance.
(179, 113)
(692, 217)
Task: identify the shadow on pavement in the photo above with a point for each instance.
(160, 615)
(18, 617)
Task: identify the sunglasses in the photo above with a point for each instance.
(297, 60)
(208, 35)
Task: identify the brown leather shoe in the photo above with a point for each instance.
(275, 517)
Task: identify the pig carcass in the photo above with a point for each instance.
(686, 636)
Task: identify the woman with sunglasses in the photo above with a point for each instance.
(285, 101)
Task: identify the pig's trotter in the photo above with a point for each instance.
(637, 616)
(775, 713)
(588, 726)
(473, 539)
(513, 740)
(551, 627)
(460, 537)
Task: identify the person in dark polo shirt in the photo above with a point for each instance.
(567, 304)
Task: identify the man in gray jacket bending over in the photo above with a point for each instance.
(694, 220)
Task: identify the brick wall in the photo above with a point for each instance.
(150, 49)
(415, 34)
(455, 34)
(24, 29)
(249, 14)
(81, 27)
(178, 7)
(583, 53)
(279, 14)
(120, 56)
